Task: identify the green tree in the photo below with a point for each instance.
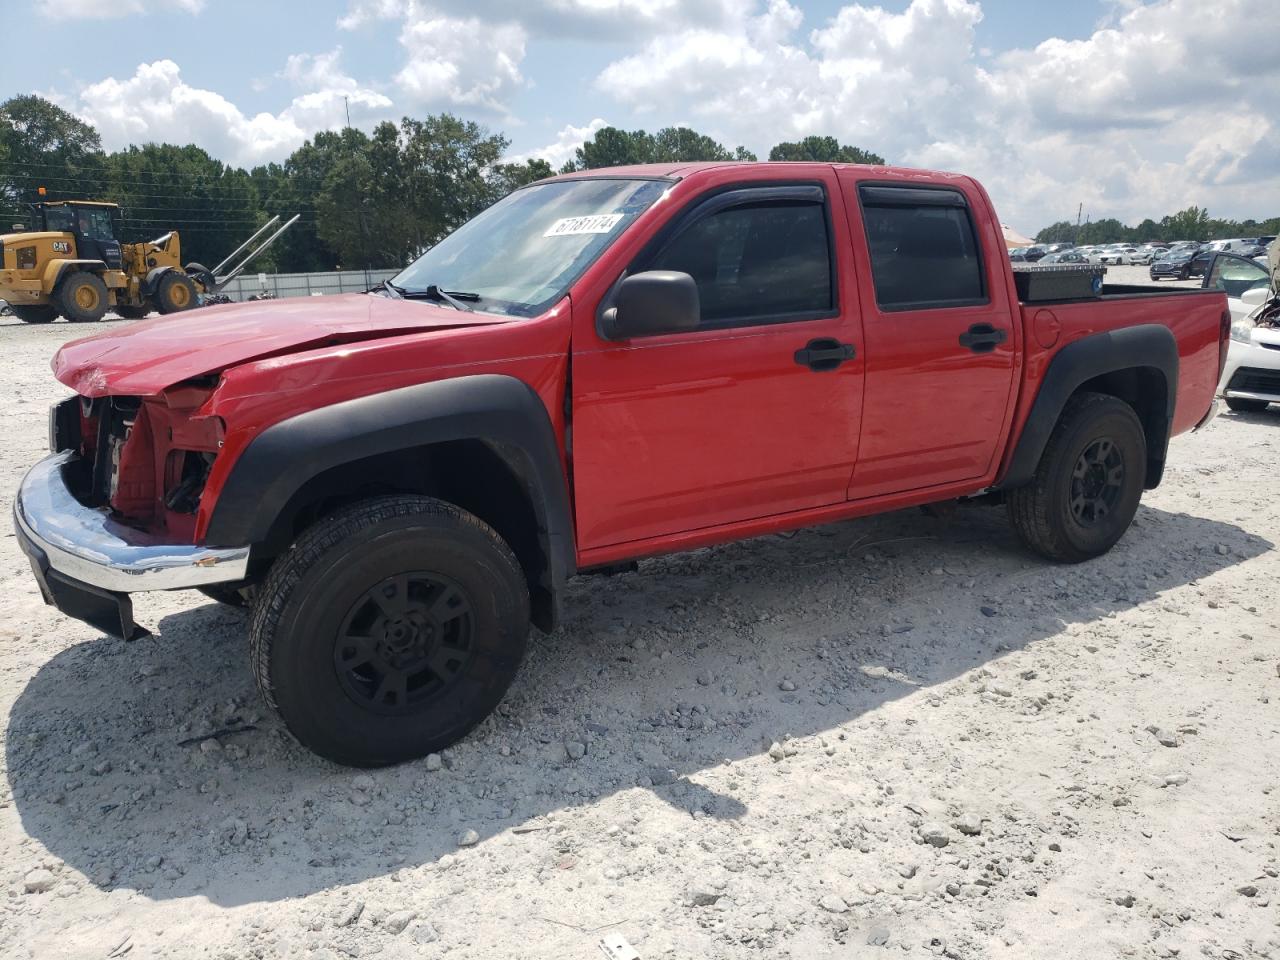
(1060, 232)
(1189, 224)
(823, 150)
(611, 147)
(42, 145)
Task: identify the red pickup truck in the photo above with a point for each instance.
(600, 367)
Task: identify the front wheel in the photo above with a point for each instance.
(82, 297)
(175, 292)
(389, 630)
(1087, 486)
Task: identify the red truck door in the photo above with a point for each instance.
(941, 334)
(754, 413)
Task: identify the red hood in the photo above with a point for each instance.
(141, 359)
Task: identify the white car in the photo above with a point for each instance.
(1251, 377)
(1116, 255)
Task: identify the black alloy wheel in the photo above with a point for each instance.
(404, 642)
(1097, 482)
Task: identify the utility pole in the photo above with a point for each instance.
(347, 106)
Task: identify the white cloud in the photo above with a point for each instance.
(156, 104)
(106, 9)
(563, 148)
(1159, 108)
(461, 63)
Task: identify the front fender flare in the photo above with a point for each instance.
(503, 412)
(1145, 346)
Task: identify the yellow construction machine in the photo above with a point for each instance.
(71, 265)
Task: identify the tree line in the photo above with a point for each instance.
(373, 200)
(1193, 223)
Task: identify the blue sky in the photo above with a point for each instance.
(1129, 107)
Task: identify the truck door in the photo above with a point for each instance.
(940, 332)
(756, 412)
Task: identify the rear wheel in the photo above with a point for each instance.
(1088, 484)
(133, 313)
(389, 630)
(175, 292)
(1246, 405)
(82, 297)
(35, 313)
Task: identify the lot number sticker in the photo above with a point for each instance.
(571, 226)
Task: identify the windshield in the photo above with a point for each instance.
(522, 254)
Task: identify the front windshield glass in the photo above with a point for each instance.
(522, 254)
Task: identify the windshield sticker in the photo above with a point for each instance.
(571, 226)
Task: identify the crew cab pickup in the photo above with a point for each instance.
(600, 367)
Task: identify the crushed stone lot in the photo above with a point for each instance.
(897, 737)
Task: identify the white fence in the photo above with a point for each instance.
(304, 284)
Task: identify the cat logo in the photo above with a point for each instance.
(61, 246)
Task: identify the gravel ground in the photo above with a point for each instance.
(894, 737)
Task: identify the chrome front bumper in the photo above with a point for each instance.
(86, 545)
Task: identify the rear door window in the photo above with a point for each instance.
(924, 250)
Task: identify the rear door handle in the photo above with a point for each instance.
(983, 337)
(824, 353)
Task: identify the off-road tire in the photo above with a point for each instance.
(82, 297)
(35, 313)
(306, 611)
(1246, 404)
(133, 313)
(1041, 511)
(175, 292)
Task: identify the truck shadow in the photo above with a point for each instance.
(663, 675)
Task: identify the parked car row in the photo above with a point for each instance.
(1182, 260)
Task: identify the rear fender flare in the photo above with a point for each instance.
(501, 411)
(1148, 346)
(55, 271)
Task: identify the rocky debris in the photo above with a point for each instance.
(833, 904)
(786, 686)
(705, 679)
(469, 838)
(349, 914)
(434, 762)
(575, 749)
(395, 923)
(39, 880)
(968, 823)
(1125, 900)
(424, 933)
(935, 834)
(1248, 890)
(1165, 738)
(776, 752)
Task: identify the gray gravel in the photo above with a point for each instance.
(858, 709)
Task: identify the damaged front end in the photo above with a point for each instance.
(144, 458)
(112, 510)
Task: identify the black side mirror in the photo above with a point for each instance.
(656, 301)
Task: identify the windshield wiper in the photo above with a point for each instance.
(396, 292)
(452, 297)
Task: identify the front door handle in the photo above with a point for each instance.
(983, 337)
(824, 353)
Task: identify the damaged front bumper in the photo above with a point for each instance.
(87, 563)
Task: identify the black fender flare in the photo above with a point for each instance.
(1149, 346)
(501, 411)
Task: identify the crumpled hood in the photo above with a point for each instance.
(143, 358)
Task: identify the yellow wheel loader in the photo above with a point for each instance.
(72, 265)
